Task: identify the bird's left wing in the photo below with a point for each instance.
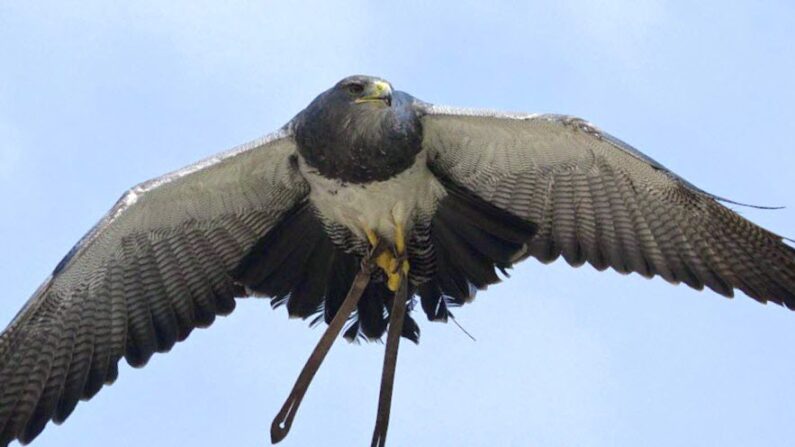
(149, 272)
(596, 199)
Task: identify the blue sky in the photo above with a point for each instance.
(95, 98)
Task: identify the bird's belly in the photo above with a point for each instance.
(378, 206)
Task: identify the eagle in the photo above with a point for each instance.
(365, 204)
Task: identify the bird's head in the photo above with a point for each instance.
(364, 90)
(356, 103)
(359, 130)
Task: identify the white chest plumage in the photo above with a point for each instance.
(378, 206)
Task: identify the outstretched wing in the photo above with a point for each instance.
(149, 272)
(595, 199)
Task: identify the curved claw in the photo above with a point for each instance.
(392, 263)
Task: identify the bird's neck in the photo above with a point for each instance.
(362, 148)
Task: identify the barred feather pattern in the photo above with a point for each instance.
(153, 293)
(595, 199)
(419, 247)
(151, 271)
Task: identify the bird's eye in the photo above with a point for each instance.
(355, 88)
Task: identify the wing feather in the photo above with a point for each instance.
(596, 199)
(155, 267)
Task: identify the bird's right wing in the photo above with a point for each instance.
(155, 267)
(596, 199)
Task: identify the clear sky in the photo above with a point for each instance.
(95, 98)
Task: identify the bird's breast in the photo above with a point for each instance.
(377, 205)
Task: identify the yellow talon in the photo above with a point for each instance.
(400, 248)
(386, 261)
(399, 268)
(371, 237)
(391, 270)
(400, 240)
(393, 281)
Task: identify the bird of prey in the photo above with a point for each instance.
(368, 201)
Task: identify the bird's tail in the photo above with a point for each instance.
(296, 264)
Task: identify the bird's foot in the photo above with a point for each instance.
(393, 262)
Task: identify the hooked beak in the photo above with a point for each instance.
(377, 91)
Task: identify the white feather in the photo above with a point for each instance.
(378, 206)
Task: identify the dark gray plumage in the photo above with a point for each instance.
(285, 216)
(356, 144)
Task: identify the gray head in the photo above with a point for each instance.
(360, 130)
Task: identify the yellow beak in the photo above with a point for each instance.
(377, 91)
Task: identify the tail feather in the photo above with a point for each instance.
(297, 264)
(432, 301)
(307, 297)
(371, 311)
(373, 315)
(410, 329)
(339, 280)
